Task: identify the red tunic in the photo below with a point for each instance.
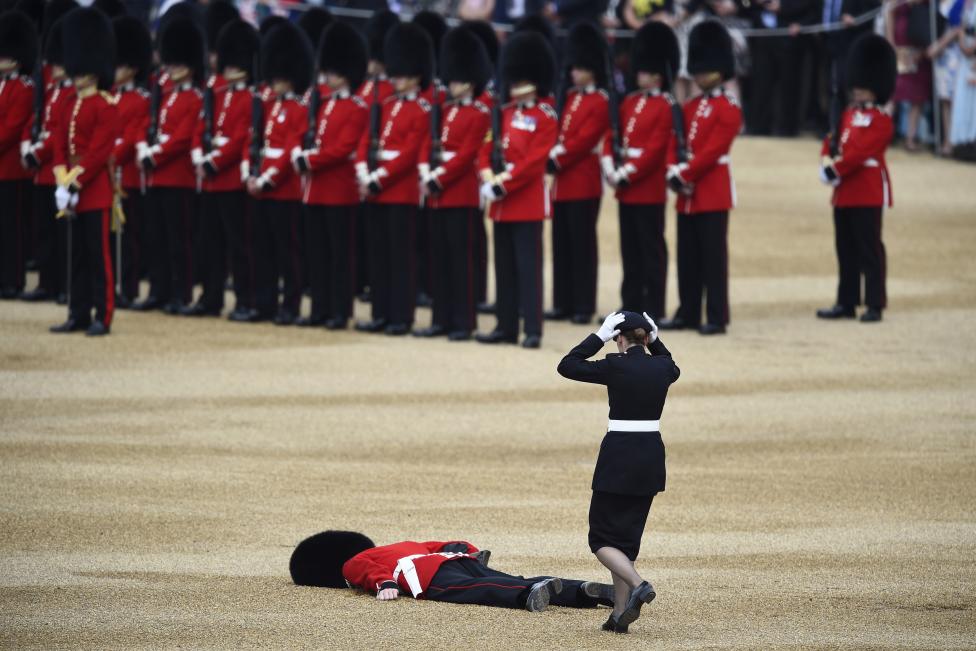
(284, 125)
(529, 132)
(645, 122)
(860, 164)
(231, 129)
(178, 119)
(58, 95)
(133, 108)
(712, 121)
(85, 139)
(404, 131)
(16, 96)
(366, 90)
(342, 120)
(463, 131)
(411, 565)
(584, 124)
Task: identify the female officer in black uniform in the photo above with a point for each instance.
(630, 469)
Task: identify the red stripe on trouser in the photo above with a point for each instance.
(476, 585)
(109, 276)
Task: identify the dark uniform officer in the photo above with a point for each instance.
(630, 469)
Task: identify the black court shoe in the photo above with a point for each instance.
(432, 331)
(310, 321)
(71, 325)
(97, 329)
(642, 594)
(541, 593)
(873, 315)
(555, 315)
(677, 323)
(375, 325)
(336, 323)
(711, 329)
(397, 329)
(581, 319)
(532, 341)
(37, 294)
(459, 335)
(147, 304)
(496, 337)
(836, 312)
(613, 626)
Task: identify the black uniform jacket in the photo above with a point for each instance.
(630, 463)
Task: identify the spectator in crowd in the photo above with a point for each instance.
(914, 85)
(637, 12)
(948, 59)
(962, 136)
(838, 41)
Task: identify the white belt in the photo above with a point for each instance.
(871, 162)
(273, 152)
(388, 154)
(724, 160)
(634, 152)
(633, 425)
(406, 567)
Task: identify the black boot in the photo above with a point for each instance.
(838, 311)
(873, 315)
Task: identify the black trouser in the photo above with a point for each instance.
(132, 239)
(236, 213)
(213, 250)
(481, 259)
(453, 251)
(277, 256)
(574, 256)
(51, 241)
(703, 263)
(767, 74)
(391, 261)
(857, 237)
(12, 224)
(466, 581)
(518, 276)
(330, 247)
(92, 280)
(644, 254)
(170, 211)
(424, 269)
(362, 250)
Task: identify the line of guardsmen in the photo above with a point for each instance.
(360, 162)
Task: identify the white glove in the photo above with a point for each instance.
(487, 194)
(826, 180)
(61, 198)
(73, 201)
(142, 150)
(245, 170)
(606, 162)
(609, 328)
(196, 156)
(652, 333)
(362, 174)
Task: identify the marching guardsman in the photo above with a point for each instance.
(37, 156)
(216, 15)
(18, 52)
(512, 168)
(639, 176)
(286, 64)
(854, 164)
(450, 180)
(331, 194)
(703, 182)
(133, 62)
(172, 180)
(575, 162)
(219, 145)
(83, 146)
(374, 91)
(386, 170)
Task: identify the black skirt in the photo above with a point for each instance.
(618, 521)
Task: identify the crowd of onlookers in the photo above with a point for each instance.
(789, 53)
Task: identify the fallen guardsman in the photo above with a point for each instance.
(454, 571)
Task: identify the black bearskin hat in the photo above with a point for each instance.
(344, 52)
(53, 53)
(133, 46)
(655, 50)
(185, 9)
(34, 9)
(287, 54)
(463, 58)
(53, 12)
(181, 42)
(407, 52)
(527, 56)
(111, 8)
(18, 40)
(269, 23)
(237, 44)
(314, 21)
(489, 38)
(89, 45)
(218, 14)
(377, 26)
(536, 23)
(586, 48)
(434, 25)
(710, 50)
(871, 65)
(318, 560)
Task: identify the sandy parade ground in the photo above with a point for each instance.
(821, 476)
